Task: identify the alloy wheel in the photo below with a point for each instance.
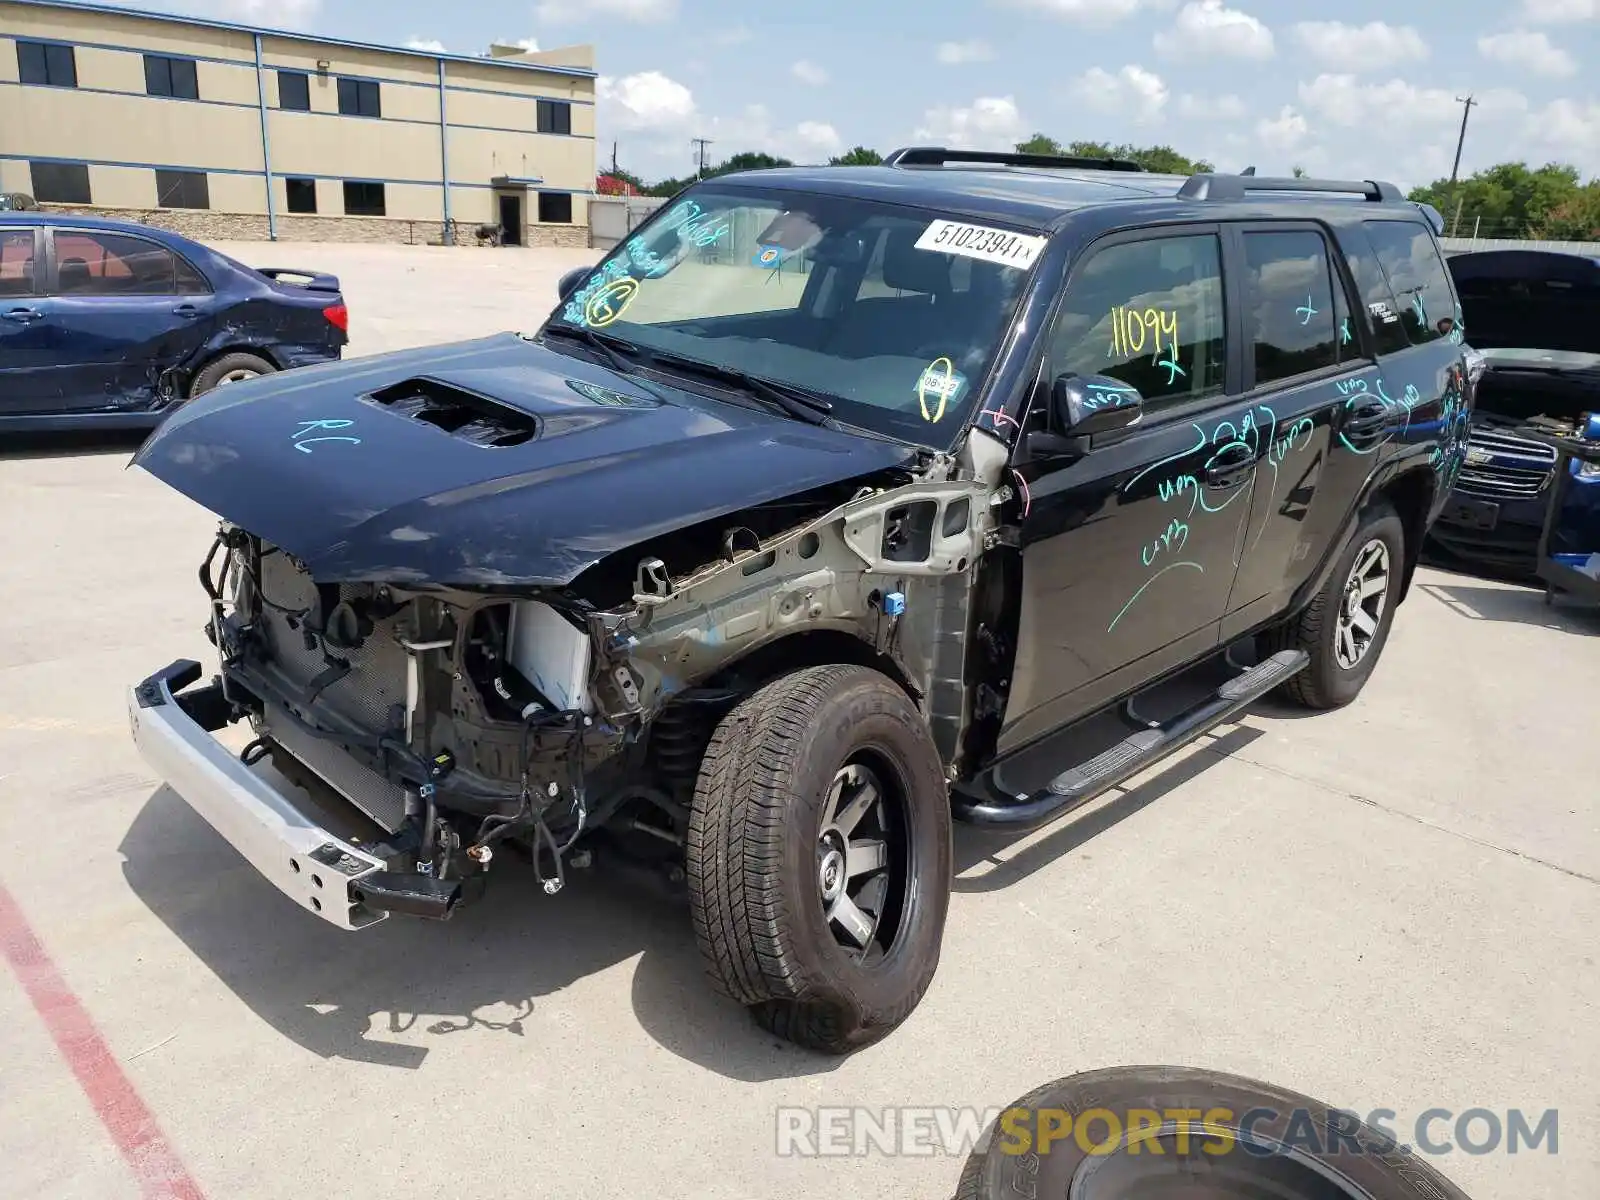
(1361, 605)
(861, 867)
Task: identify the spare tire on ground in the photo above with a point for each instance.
(1179, 1133)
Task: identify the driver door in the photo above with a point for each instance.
(1129, 551)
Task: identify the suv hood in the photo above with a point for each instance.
(496, 462)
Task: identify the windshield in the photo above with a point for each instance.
(891, 313)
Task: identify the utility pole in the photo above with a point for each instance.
(700, 145)
(1467, 102)
(613, 158)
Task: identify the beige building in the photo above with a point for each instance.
(227, 131)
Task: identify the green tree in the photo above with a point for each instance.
(748, 160)
(1163, 160)
(1507, 200)
(1040, 144)
(1298, 172)
(860, 156)
(1575, 220)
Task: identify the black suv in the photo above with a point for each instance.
(831, 505)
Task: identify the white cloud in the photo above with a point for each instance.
(647, 100)
(1086, 12)
(819, 137)
(526, 45)
(809, 73)
(1528, 50)
(1567, 131)
(734, 35)
(559, 11)
(955, 53)
(1285, 131)
(1132, 92)
(988, 123)
(1369, 47)
(1558, 12)
(1211, 108)
(1205, 29)
(431, 45)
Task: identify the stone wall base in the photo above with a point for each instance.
(207, 226)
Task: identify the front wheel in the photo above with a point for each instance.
(819, 857)
(1346, 627)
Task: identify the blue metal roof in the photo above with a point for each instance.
(267, 30)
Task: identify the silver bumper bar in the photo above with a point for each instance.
(297, 856)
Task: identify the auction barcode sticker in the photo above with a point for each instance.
(979, 241)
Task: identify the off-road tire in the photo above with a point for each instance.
(752, 865)
(1325, 683)
(219, 369)
(1001, 1171)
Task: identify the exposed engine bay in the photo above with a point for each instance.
(465, 720)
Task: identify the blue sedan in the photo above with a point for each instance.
(108, 324)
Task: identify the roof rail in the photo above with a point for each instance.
(938, 156)
(1237, 187)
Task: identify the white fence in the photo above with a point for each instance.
(1460, 245)
(612, 218)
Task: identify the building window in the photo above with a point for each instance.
(47, 63)
(359, 98)
(363, 199)
(302, 195)
(555, 208)
(294, 91)
(555, 116)
(60, 183)
(182, 189)
(173, 77)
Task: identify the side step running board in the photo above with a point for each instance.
(1134, 753)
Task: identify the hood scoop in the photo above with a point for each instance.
(465, 416)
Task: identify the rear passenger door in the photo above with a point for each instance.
(1301, 353)
(126, 310)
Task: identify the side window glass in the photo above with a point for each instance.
(1148, 313)
(1292, 324)
(1382, 310)
(110, 264)
(16, 262)
(1417, 277)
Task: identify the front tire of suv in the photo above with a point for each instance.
(819, 857)
(1346, 627)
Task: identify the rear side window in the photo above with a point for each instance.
(16, 262)
(114, 264)
(1417, 277)
(1148, 313)
(1382, 309)
(1292, 320)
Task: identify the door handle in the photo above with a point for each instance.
(1231, 467)
(1367, 418)
(22, 315)
(187, 310)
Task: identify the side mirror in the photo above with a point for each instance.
(1084, 405)
(569, 282)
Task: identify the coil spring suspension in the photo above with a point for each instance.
(678, 738)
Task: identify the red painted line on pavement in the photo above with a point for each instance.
(161, 1175)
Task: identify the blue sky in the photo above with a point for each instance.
(1371, 93)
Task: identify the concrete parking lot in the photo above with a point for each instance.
(1391, 906)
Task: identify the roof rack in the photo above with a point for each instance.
(1237, 187)
(938, 156)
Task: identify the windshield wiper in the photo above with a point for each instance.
(801, 403)
(620, 354)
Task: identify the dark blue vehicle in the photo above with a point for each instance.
(111, 324)
(1534, 316)
(833, 505)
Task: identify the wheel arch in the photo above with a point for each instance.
(211, 351)
(1411, 494)
(808, 648)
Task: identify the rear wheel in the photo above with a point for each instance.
(819, 857)
(230, 368)
(1346, 627)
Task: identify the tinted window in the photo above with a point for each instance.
(1382, 312)
(555, 208)
(294, 91)
(47, 63)
(16, 262)
(1289, 311)
(302, 195)
(363, 199)
(1417, 277)
(60, 183)
(555, 116)
(359, 98)
(1148, 313)
(116, 264)
(182, 189)
(170, 77)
